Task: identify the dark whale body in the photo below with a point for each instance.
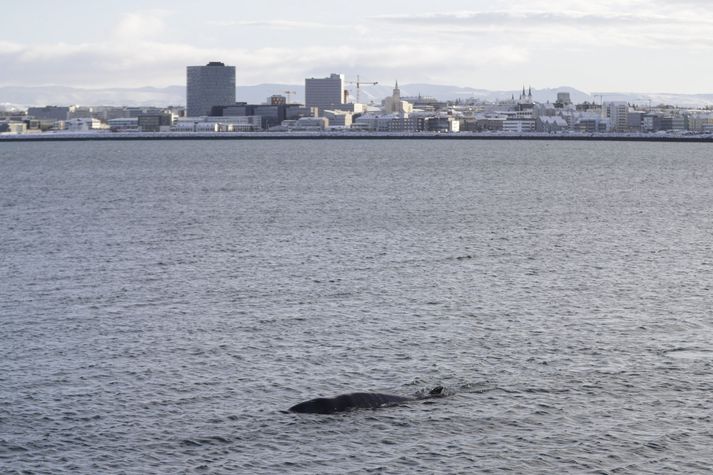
(346, 402)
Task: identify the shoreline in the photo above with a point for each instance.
(148, 136)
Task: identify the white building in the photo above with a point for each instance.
(325, 93)
(618, 113)
(124, 124)
(394, 104)
(247, 123)
(82, 124)
(13, 127)
(519, 125)
(338, 118)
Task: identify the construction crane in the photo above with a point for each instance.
(288, 94)
(358, 83)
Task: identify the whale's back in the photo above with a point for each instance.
(346, 402)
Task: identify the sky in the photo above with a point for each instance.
(592, 45)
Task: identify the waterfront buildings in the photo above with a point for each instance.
(210, 94)
(209, 86)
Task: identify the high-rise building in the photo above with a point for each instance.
(324, 93)
(209, 86)
(618, 113)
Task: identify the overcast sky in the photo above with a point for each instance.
(593, 45)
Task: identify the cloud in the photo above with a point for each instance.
(496, 48)
(141, 25)
(566, 29)
(114, 63)
(275, 24)
(529, 19)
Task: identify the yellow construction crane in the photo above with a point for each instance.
(358, 83)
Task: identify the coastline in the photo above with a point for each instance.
(133, 136)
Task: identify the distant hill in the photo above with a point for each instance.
(176, 95)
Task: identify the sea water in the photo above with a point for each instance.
(163, 303)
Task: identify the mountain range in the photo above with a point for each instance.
(23, 96)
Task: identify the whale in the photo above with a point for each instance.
(348, 402)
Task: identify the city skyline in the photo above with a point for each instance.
(596, 46)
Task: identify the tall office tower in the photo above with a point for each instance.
(324, 93)
(209, 86)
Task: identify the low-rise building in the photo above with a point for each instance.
(519, 125)
(673, 123)
(442, 124)
(698, 122)
(311, 124)
(155, 122)
(13, 127)
(123, 124)
(218, 124)
(549, 124)
(82, 124)
(388, 123)
(338, 118)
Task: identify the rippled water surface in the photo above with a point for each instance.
(163, 303)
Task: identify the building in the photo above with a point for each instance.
(311, 124)
(591, 122)
(155, 122)
(618, 113)
(388, 123)
(13, 127)
(82, 124)
(551, 124)
(673, 123)
(563, 100)
(651, 122)
(135, 112)
(272, 115)
(635, 121)
(700, 122)
(325, 93)
(442, 123)
(218, 124)
(338, 118)
(77, 112)
(526, 102)
(209, 86)
(394, 104)
(487, 123)
(123, 124)
(519, 125)
(50, 112)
